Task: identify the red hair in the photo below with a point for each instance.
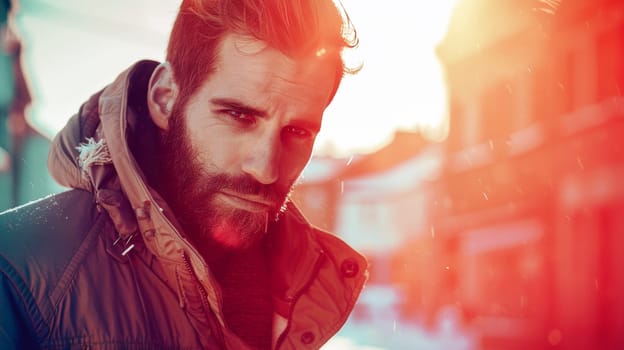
(297, 28)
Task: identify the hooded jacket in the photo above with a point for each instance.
(105, 265)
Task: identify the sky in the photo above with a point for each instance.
(74, 48)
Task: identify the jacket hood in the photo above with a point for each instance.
(92, 152)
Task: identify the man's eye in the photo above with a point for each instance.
(240, 116)
(298, 132)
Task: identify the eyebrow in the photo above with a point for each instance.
(314, 126)
(238, 106)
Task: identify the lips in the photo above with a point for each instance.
(247, 202)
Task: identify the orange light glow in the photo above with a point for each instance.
(401, 85)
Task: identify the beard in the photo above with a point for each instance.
(190, 188)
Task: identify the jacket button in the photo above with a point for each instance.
(307, 338)
(349, 268)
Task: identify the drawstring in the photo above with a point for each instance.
(93, 152)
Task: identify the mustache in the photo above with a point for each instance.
(245, 184)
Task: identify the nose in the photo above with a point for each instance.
(263, 160)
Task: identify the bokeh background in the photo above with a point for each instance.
(477, 159)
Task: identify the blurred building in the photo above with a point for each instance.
(529, 214)
(519, 223)
(375, 201)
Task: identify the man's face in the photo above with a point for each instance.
(235, 149)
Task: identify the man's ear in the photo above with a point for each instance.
(161, 95)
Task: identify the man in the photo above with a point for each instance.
(178, 232)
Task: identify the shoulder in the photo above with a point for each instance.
(351, 262)
(47, 222)
(38, 240)
(38, 245)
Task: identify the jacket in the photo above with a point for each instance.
(105, 265)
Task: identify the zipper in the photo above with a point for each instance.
(217, 331)
(189, 269)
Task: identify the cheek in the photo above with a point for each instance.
(214, 147)
(215, 155)
(203, 158)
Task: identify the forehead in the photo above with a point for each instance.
(248, 64)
